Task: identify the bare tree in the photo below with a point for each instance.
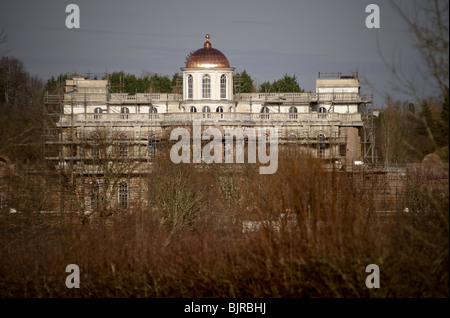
(20, 106)
(402, 135)
(3, 42)
(428, 23)
(178, 192)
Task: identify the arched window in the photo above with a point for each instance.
(321, 137)
(292, 137)
(293, 112)
(193, 109)
(123, 195)
(183, 109)
(264, 112)
(231, 109)
(292, 141)
(190, 87)
(207, 111)
(123, 145)
(151, 146)
(322, 110)
(124, 112)
(97, 111)
(223, 86)
(152, 110)
(206, 86)
(219, 109)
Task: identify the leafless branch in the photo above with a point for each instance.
(429, 27)
(3, 42)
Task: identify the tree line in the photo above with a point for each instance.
(147, 82)
(21, 112)
(406, 131)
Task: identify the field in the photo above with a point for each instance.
(317, 233)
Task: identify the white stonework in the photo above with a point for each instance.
(326, 122)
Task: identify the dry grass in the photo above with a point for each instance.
(321, 250)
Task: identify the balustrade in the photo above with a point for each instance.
(213, 116)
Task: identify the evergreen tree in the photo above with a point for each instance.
(245, 83)
(265, 87)
(161, 84)
(287, 84)
(177, 82)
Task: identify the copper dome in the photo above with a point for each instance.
(207, 57)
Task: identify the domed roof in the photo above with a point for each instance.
(207, 57)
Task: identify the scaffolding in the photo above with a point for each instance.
(70, 119)
(368, 139)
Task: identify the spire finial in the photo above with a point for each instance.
(207, 44)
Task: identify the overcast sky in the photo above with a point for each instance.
(265, 38)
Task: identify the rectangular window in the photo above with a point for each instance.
(151, 147)
(95, 194)
(123, 151)
(343, 150)
(123, 195)
(321, 151)
(123, 146)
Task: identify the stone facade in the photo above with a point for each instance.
(93, 125)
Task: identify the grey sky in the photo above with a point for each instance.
(266, 38)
